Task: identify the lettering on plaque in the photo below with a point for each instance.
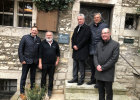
(63, 38)
(130, 41)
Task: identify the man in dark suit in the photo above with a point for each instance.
(49, 55)
(96, 28)
(106, 55)
(80, 46)
(28, 52)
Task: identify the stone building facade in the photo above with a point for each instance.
(10, 67)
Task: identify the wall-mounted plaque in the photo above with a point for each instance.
(63, 38)
(130, 41)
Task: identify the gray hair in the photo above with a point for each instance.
(81, 15)
(97, 14)
(49, 32)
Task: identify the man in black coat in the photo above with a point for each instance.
(106, 55)
(96, 28)
(80, 46)
(49, 54)
(28, 52)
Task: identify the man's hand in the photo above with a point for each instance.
(23, 62)
(56, 63)
(99, 68)
(75, 47)
(40, 66)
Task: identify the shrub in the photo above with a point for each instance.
(36, 93)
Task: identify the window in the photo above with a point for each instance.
(25, 14)
(7, 88)
(132, 21)
(17, 13)
(6, 12)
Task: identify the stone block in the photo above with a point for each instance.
(58, 82)
(58, 91)
(61, 76)
(4, 67)
(61, 87)
(62, 70)
(55, 87)
(2, 57)
(137, 61)
(7, 45)
(67, 55)
(64, 60)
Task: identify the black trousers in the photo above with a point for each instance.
(25, 69)
(79, 66)
(105, 86)
(47, 69)
(91, 63)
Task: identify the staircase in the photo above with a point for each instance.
(88, 92)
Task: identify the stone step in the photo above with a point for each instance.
(87, 96)
(118, 89)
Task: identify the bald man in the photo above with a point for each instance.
(106, 55)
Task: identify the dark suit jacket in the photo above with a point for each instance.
(81, 39)
(29, 49)
(106, 55)
(96, 35)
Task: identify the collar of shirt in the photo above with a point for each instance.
(97, 25)
(106, 42)
(33, 37)
(79, 26)
(50, 43)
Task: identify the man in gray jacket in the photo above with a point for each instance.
(106, 55)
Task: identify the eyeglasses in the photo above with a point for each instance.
(105, 32)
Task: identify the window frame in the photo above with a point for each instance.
(7, 13)
(16, 14)
(135, 20)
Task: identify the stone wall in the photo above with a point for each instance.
(10, 37)
(9, 51)
(124, 72)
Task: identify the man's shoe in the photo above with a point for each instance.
(73, 81)
(91, 82)
(96, 86)
(23, 97)
(80, 83)
(49, 94)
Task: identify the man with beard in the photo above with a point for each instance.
(48, 59)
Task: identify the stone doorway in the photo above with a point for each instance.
(88, 10)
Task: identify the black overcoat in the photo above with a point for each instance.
(81, 39)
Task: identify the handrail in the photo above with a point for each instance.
(130, 65)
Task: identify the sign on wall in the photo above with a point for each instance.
(64, 38)
(47, 21)
(129, 41)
